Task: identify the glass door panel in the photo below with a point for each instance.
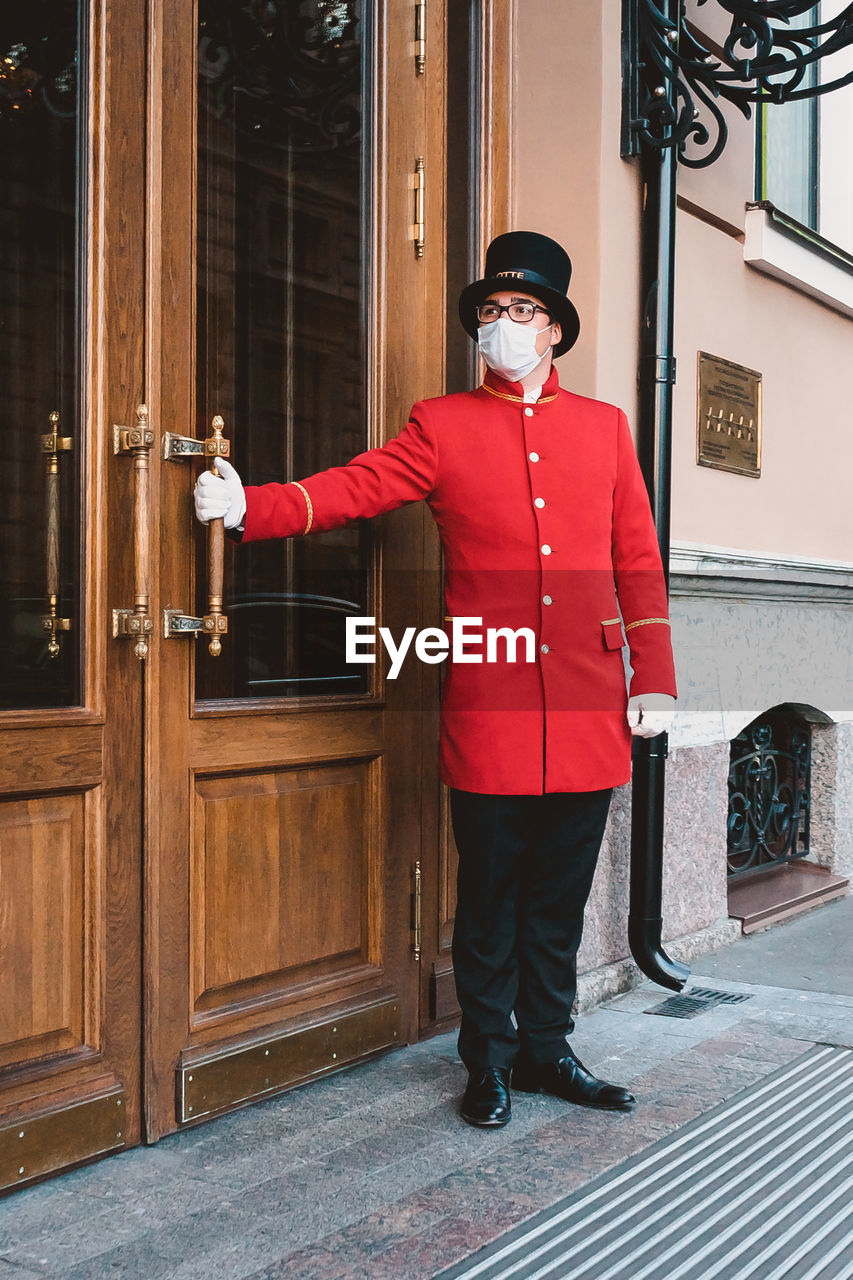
(42, 125)
(280, 321)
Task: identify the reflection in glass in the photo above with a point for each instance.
(280, 335)
(41, 127)
(789, 156)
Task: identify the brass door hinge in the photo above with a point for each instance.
(420, 37)
(136, 443)
(416, 912)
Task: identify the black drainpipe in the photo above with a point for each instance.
(654, 449)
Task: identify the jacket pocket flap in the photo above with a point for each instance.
(612, 631)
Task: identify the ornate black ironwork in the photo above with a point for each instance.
(769, 793)
(675, 76)
(291, 68)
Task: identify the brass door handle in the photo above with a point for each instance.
(136, 623)
(214, 623)
(215, 620)
(52, 445)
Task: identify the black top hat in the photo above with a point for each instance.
(539, 266)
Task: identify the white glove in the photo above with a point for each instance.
(220, 497)
(650, 713)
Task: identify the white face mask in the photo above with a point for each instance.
(510, 348)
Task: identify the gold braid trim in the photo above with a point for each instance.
(502, 395)
(644, 622)
(309, 504)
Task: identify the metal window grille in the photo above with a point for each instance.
(769, 793)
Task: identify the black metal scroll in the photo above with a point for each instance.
(675, 77)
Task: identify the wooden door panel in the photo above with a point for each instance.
(42, 894)
(271, 738)
(286, 887)
(34, 760)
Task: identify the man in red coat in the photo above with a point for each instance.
(548, 541)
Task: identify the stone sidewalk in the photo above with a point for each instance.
(370, 1173)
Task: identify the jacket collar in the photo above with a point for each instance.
(514, 391)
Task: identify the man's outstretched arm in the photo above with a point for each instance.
(378, 480)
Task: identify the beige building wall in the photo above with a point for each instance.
(762, 569)
(572, 183)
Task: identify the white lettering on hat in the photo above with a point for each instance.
(514, 275)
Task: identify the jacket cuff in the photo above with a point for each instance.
(652, 659)
(277, 511)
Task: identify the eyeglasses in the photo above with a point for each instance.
(520, 312)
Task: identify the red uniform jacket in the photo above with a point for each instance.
(544, 520)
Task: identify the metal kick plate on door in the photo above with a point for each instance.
(264, 1068)
(33, 1147)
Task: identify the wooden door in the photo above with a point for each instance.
(285, 788)
(209, 866)
(70, 696)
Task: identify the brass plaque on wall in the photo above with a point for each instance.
(728, 428)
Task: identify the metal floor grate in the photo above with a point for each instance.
(758, 1188)
(690, 1003)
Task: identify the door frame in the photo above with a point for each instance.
(494, 213)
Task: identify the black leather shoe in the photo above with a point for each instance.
(568, 1078)
(486, 1101)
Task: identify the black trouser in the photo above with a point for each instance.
(526, 865)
